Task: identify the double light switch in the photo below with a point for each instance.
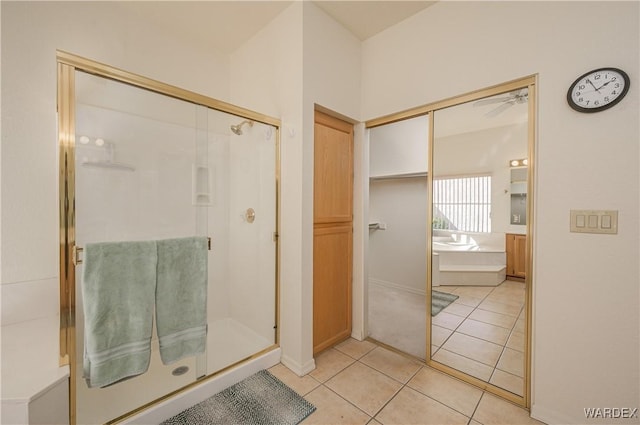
(594, 221)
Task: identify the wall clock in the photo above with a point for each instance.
(598, 90)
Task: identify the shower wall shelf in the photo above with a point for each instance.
(201, 185)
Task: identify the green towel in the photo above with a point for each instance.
(118, 286)
(181, 297)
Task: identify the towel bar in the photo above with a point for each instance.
(77, 250)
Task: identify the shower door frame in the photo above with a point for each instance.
(67, 65)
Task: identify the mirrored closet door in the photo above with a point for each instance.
(450, 249)
(479, 204)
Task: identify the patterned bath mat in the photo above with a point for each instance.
(259, 399)
(440, 300)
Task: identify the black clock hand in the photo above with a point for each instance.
(604, 85)
(594, 87)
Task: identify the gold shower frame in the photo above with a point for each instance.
(67, 65)
(530, 83)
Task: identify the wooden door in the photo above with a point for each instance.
(332, 231)
(516, 248)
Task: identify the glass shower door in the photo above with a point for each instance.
(243, 225)
(152, 167)
(135, 157)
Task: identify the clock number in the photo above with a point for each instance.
(581, 86)
(596, 77)
(606, 99)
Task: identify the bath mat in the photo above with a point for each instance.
(259, 399)
(440, 300)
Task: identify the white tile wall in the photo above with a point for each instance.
(29, 300)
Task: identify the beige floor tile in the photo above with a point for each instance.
(509, 382)
(519, 327)
(474, 348)
(447, 288)
(300, 384)
(474, 422)
(439, 335)
(354, 348)
(364, 387)
(373, 422)
(468, 300)
(486, 331)
(434, 349)
(512, 361)
(446, 320)
(458, 309)
(498, 307)
(447, 390)
(475, 291)
(392, 364)
(329, 363)
(333, 409)
(516, 341)
(514, 301)
(513, 284)
(502, 320)
(411, 407)
(463, 364)
(495, 411)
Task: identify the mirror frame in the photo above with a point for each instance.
(530, 83)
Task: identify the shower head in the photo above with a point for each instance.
(237, 129)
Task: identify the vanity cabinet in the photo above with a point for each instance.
(516, 247)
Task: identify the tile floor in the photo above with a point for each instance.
(363, 383)
(481, 333)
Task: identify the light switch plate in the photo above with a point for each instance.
(594, 221)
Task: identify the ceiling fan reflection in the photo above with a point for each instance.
(515, 97)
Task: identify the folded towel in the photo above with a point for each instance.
(118, 286)
(181, 297)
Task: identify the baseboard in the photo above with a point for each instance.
(297, 368)
(551, 417)
(357, 335)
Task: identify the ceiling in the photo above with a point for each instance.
(226, 25)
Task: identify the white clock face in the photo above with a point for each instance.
(598, 90)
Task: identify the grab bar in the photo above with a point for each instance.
(77, 250)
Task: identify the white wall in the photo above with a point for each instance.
(585, 354)
(332, 67)
(399, 148)
(272, 73)
(31, 33)
(485, 152)
(266, 75)
(397, 255)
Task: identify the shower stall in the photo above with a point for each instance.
(144, 161)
